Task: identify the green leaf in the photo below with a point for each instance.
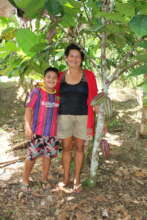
(142, 57)
(8, 33)
(113, 16)
(54, 7)
(140, 70)
(71, 4)
(9, 46)
(38, 47)
(125, 9)
(69, 18)
(145, 104)
(96, 26)
(143, 85)
(31, 7)
(4, 20)
(139, 25)
(118, 39)
(143, 44)
(26, 40)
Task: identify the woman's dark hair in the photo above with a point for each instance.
(74, 47)
(51, 69)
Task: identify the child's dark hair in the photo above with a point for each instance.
(74, 47)
(51, 69)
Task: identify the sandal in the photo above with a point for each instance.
(25, 187)
(46, 185)
(77, 188)
(62, 187)
(59, 187)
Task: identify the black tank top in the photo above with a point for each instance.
(73, 97)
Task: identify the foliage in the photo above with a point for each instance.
(26, 50)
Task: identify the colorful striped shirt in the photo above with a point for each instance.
(45, 109)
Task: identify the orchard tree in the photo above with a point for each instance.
(112, 33)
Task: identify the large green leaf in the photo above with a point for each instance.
(143, 44)
(140, 70)
(54, 7)
(69, 18)
(139, 25)
(31, 7)
(125, 9)
(113, 16)
(26, 40)
(71, 12)
(9, 46)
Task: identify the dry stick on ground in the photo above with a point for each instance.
(19, 146)
(7, 163)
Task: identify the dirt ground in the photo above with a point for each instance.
(120, 192)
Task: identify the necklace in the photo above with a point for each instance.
(48, 91)
(42, 86)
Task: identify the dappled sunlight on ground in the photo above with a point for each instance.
(5, 145)
(114, 139)
(6, 172)
(120, 191)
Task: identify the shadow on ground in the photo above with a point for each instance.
(120, 193)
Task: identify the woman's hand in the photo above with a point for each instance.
(96, 109)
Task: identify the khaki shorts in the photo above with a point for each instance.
(72, 126)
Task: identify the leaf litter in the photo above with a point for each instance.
(120, 192)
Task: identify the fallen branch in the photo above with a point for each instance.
(7, 163)
(19, 146)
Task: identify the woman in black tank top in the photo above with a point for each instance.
(73, 110)
(76, 95)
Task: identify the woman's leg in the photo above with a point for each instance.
(66, 158)
(79, 157)
(46, 161)
(28, 166)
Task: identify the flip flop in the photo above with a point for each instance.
(59, 186)
(62, 187)
(24, 187)
(46, 185)
(77, 188)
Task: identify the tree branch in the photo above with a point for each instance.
(117, 72)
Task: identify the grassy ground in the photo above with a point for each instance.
(120, 193)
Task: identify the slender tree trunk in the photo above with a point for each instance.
(97, 140)
(143, 127)
(101, 117)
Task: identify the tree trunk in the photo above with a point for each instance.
(143, 127)
(101, 117)
(97, 140)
